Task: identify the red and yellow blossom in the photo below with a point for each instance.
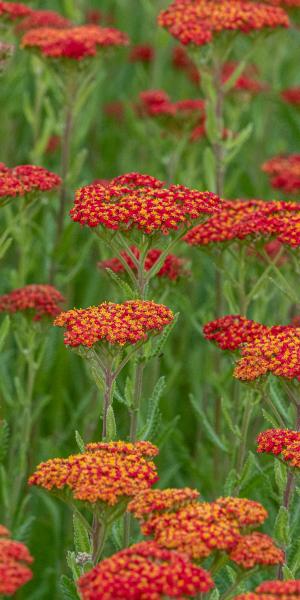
(199, 21)
(141, 448)
(14, 564)
(109, 474)
(256, 549)
(284, 172)
(75, 43)
(150, 502)
(37, 300)
(173, 267)
(247, 513)
(12, 11)
(144, 571)
(275, 441)
(25, 179)
(274, 590)
(43, 18)
(142, 202)
(117, 324)
(232, 331)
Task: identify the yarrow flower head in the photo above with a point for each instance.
(274, 590)
(74, 43)
(284, 172)
(232, 331)
(197, 22)
(108, 473)
(173, 267)
(14, 564)
(247, 82)
(145, 571)
(43, 18)
(143, 53)
(12, 11)
(275, 441)
(154, 501)
(25, 180)
(141, 202)
(36, 300)
(157, 103)
(117, 324)
(292, 95)
(256, 549)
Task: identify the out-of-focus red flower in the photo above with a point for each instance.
(53, 144)
(115, 110)
(173, 267)
(292, 96)
(26, 179)
(12, 11)
(43, 18)
(14, 564)
(274, 590)
(182, 62)
(284, 172)
(142, 53)
(37, 299)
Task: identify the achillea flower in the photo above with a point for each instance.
(142, 53)
(256, 549)
(53, 144)
(156, 501)
(291, 454)
(38, 300)
(198, 21)
(24, 180)
(284, 172)
(275, 441)
(144, 571)
(173, 267)
(114, 110)
(141, 202)
(157, 103)
(140, 448)
(274, 590)
(74, 43)
(106, 474)
(246, 512)
(43, 18)
(117, 324)
(232, 331)
(292, 95)
(14, 561)
(182, 62)
(247, 82)
(12, 11)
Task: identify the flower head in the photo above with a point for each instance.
(24, 180)
(198, 21)
(75, 43)
(142, 53)
(275, 441)
(141, 202)
(109, 473)
(232, 331)
(274, 590)
(155, 501)
(292, 95)
(284, 172)
(173, 267)
(117, 324)
(36, 299)
(12, 11)
(256, 549)
(246, 512)
(14, 561)
(43, 18)
(144, 571)
(247, 82)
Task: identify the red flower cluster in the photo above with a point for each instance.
(157, 103)
(274, 590)
(182, 62)
(173, 267)
(26, 179)
(145, 571)
(36, 299)
(117, 324)
(14, 561)
(256, 549)
(14, 10)
(197, 21)
(246, 82)
(146, 504)
(255, 219)
(140, 448)
(107, 473)
(142, 53)
(74, 43)
(232, 331)
(141, 201)
(292, 96)
(43, 18)
(284, 172)
(275, 441)
(287, 4)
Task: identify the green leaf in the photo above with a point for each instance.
(153, 416)
(214, 438)
(214, 595)
(111, 424)
(79, 441)
(71, 562)
(209, 164)
(124, 287)
(269, 418)
(81, 536)
(234, 146)
(68, 588)
(249, 468)
(162, 339)
(230, 482)
(287, 573)
(4, 437)
(282, 529)
(4, 329)
(280, 472)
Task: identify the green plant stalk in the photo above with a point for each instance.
(99, 535)
(243, 443)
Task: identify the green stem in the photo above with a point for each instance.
(99, 535)
(107, 401)
(243, 444)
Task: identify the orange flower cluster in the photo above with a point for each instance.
(75, 43)
(153, 501)
(135, 201)
(173, 267)
(253, 219)
(37, 300)
(106, 474)
(43, 18)
(284, 172)
(274, 590)
(256, 549)
(142, 53)
(26, 179)
(14, 10)
(141, 448)
(117, 324)
(145, 571)
(292, 96)
(198, 21)
(14, 561)
(275, 441)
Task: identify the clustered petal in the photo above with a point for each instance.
(153, 501)
(74, 43)
(108, 473)
(173, 267)
(142, 53)
(25, 179)
(14, 561)
(117, 324)
(140, 201)
(43, 18)
(198, 21)
(292, 96)
(145, 571)
(157, 103)
(275, 441)
(14, 10)
(36, 299)
(284, 172)
(274, 590)
(256, 549)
